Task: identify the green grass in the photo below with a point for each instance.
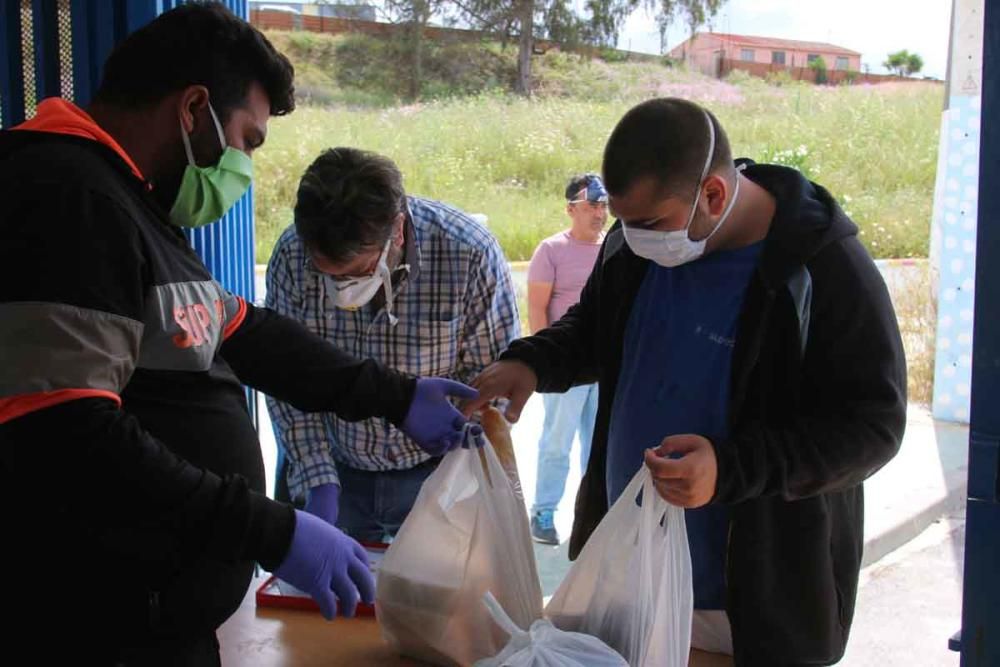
(874, 148)
(915, 305)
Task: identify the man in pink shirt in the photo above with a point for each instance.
(558, 271)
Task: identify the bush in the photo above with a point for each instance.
(449, 69)
(780, 78)
(367, 63)
(609, 55)
(818, 66)
(738, 77)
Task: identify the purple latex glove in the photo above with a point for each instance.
(432, 421)
(324, 501)
(324, 562)
(474, 436)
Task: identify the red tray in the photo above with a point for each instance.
(269, 593)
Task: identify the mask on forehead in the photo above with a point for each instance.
(594, 192)
(675, 247)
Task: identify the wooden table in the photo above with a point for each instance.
(268, 637)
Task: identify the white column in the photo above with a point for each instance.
(953, 231)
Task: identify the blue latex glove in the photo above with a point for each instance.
(324, 562)
(432, 421)
(324, 501)
(474, 436)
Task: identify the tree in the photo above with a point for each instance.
(607, 18)
(506, 18)
(914, 64)
(818, 66)
(413, 16)
(904, 63)
(555, 18)
(695, 14)
(599, 26)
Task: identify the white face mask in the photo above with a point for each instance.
(675, 247)
(353, 293)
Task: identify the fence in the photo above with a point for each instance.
(833, 76)
(266, 19)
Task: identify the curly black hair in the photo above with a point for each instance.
(197, 43)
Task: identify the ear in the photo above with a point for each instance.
(400, 237)
(715, 194)
(569, 210)
(190, 103)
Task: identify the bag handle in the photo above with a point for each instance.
(500, 616)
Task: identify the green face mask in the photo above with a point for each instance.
(206, 193)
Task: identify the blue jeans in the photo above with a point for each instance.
(373, 505)
(565, 414)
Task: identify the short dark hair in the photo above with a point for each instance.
(197, 43)
(347, 200)
(666, 139)
(577, 183)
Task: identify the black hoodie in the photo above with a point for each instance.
(126, 449)
(818, 404)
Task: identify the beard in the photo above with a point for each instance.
(204, 142)
(166, 187)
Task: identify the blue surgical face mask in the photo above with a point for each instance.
(674, 248)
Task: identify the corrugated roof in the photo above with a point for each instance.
(750, 41)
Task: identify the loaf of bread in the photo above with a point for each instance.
(498, 432)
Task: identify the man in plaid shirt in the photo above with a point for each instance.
(410, 282)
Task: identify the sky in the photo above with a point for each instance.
(873, 27)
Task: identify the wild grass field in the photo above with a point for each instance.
(873, 147)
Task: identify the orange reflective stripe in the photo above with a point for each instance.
(59, 116)
(234, 324)
(16, 406)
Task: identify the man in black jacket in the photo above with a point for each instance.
(133, 501)
(747, 351)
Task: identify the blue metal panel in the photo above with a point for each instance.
(11, 70)
(980, 638)
(138, 13)
(226, 247)
(86, 72)
(45, 33)
(97, 27)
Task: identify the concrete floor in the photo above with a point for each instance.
(910, 602)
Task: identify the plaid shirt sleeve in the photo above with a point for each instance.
(491, 317)
(305, 436)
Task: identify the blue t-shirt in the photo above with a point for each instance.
(675, 378)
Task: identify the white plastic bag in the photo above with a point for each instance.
(466, 534)
(544, 645)
(631, 585)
